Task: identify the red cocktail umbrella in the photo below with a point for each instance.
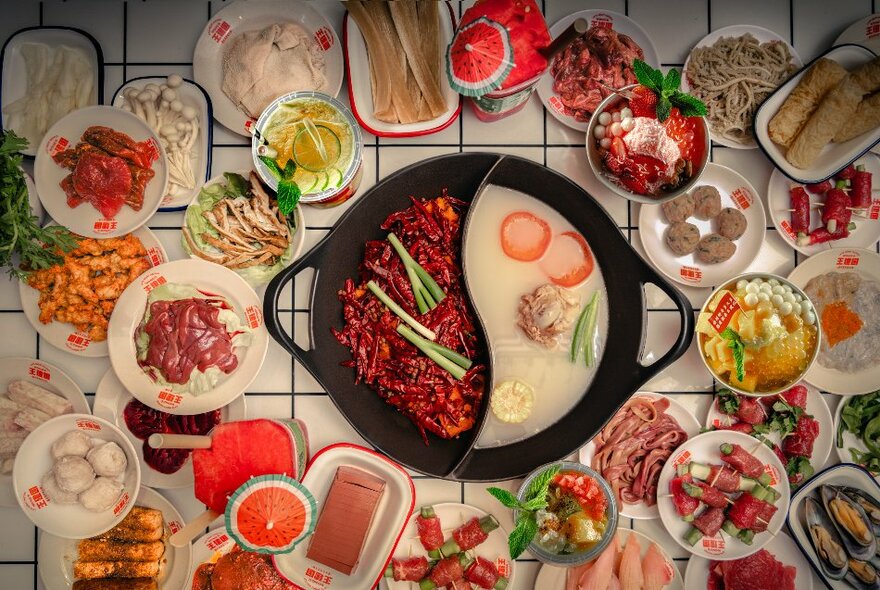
(479, 57)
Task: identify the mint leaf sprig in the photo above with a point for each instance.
(735, 343)
(667, 90)
(288, 193)
(526, 523)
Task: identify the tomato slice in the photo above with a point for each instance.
(568, 261)
(525, 236)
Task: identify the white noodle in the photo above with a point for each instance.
(733, 77)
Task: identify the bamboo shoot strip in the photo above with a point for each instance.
(432, 353)
(399, 311)
(426, 281)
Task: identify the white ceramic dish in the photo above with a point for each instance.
(864, 32)
(553, 578)
(685, 419)
(239, 17)
(193, 95)
(453, 515)
(604, 18)
(704, 449)
(867, 230)
(816, 407)
(297, 240)
(13, 83)
(48, 377)
(110, 401)
(389, 521)
(850, 440)
(763, 36)
(360, 93)
(867, 264)
(208, 548)
(85, 220)
(209, 278)
(846, 474)
(736, 192)
(781, 547)
(56, 554)
(34, 460)
(66, 336)
(834, 156)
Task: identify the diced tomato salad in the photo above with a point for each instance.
(586, 491)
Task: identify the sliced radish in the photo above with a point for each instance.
(568, 261)
(525, 236)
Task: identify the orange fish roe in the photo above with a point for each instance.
(839, 322)
(780, 362)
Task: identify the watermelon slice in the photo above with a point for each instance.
(245, 449)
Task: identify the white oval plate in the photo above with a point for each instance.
(48, 377)
(34, 459)
(65, 336)
(553, 578)
(867, 264)
(56, 554)
(865, 235)
(816, 407)
(736, 192)
(688, 423)
(864, 32)
(298, 238)
(834, 156)
(781, 547)
(763, 36)
(389, 521)
(129, 312)
(14, 82)
(841, 475)
(110, 401)
(85, 220)
(850, 440)
(239, 17)
(704, 449)
(620, 23)
(195, 96)
(452, 515)
(360, 92)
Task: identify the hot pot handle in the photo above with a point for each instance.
(685, 336)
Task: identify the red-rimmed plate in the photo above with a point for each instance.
(360, 94)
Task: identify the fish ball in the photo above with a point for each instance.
(789, 297)
(75, 442)
(55, 494)
(102, 495)
(108, 459)
(796, 308)
(73, 474)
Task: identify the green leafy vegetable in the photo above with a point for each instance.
(539, 486)
(526, 522)
(799, 466)
(20, 231)
(728, 402)
(667, 91)
(506, 497)
(520, 537)
(236, 185)
(860, 415)
(272, 165)
(289, 192)
(735, 343)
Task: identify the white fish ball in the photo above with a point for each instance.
(788, 297)
(773, 282)
(777, 289)
(767, 288)
(75, 442)
(108, 459)
(102, 495)
(796, 308)
(73, 474)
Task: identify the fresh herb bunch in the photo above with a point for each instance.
(20, 231)
(526, 522)
(667, 91)
(784, 420)
(288, 193)
(860, 415)
(735, 343)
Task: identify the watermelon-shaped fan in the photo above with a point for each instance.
(270, 514)
(479, 57)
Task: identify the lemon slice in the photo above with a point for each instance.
(512, 401)
(316, 147)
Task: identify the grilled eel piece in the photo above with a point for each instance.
(117, 584)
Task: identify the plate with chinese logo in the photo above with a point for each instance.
(57, 554)
(846, 283)
(704, 451)
(682, 241)
(67, 336)
(224, 341)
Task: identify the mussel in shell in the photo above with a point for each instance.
(863, 575)
(826, 541)
(852, 523)
(869, 504)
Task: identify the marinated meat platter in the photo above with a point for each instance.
(359, 339)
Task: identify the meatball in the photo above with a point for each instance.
(707, 202)
(54, 492)
(682, 237)
(102, 495)
(73, 474)
(74, 443)
(713, 249)
(107, 459)
(732, 223)
(679, 208)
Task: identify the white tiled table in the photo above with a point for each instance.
(157, 37)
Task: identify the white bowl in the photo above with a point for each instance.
(34, 459)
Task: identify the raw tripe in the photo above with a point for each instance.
(259, 66)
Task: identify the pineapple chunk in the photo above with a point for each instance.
(747, 384)
(703, 325)
(746, 325)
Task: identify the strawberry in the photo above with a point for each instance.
(618, 148)
(645, 102)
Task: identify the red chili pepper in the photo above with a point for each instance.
(800, 205)
(861, 188)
